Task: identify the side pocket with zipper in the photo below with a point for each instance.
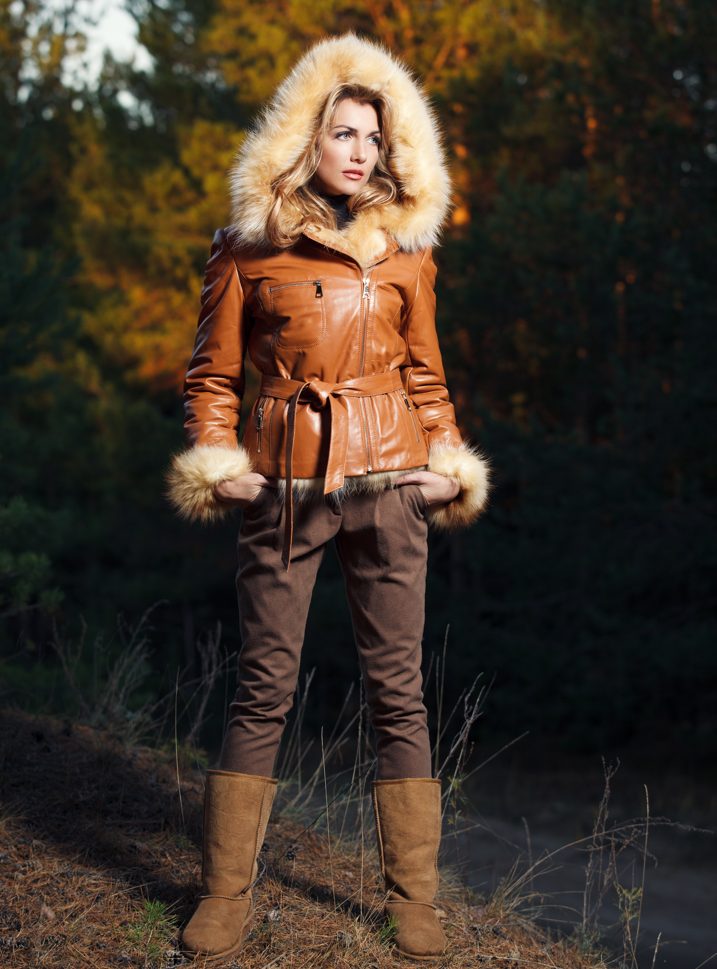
(259, 421)
(411, 412)
(415, 420)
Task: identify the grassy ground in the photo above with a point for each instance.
(100, 859)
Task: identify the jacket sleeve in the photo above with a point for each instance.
(448, 453)
(213, 391)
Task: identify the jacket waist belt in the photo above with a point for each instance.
(319, 394)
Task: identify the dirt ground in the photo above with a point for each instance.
(100, 863)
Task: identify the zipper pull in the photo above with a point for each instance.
(365, 288)
(319, 291)
(405, 400)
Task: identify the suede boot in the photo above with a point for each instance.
(408, 826)
(236, 812)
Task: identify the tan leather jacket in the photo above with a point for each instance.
(341, 326)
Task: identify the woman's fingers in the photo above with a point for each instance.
(437, 488)
(243, 488)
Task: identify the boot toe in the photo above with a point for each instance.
(218, 926)
(419, 932)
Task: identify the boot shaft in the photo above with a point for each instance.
(408, 829)
(236, 814)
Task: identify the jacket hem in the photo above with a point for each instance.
(194, 472)
(306, 489)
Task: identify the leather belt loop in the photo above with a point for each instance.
(322, 393)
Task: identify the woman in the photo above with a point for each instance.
(326, 278)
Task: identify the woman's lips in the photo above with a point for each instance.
(355, 175)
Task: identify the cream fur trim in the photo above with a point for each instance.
(363, 238)
(307, 488)
(473, 471)
(280, 134)
(193, 473)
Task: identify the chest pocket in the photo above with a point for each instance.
(299, 313)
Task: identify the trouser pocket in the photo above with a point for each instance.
(420, 497)
(264, 497)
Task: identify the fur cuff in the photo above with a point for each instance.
(471, 468)
(193, 473)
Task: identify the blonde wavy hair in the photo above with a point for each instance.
(294, 188)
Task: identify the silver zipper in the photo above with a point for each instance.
(362, 405)
(411, 412)
(363, 319)
(259, 422)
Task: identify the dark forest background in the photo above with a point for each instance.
(576, 297)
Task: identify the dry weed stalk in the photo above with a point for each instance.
(343, 809)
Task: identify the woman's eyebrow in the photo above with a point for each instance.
(355, 130)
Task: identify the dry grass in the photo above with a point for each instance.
(100, 835)
(100, 861)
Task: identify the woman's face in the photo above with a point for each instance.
(350, 145)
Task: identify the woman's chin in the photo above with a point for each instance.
(346, 186)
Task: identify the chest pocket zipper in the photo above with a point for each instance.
(302, 321)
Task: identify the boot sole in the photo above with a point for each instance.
(410, 955)
(216, 956)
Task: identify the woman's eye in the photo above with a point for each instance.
(375, 139)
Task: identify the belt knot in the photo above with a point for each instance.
(318, 394)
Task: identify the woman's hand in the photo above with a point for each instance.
(436, 488)
(243, 489)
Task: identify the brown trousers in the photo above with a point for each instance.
(381, 541)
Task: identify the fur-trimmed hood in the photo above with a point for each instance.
(281, 133)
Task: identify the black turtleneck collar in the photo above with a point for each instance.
(339, 203)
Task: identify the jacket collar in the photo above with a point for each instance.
(340, 242)
(280, 135)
